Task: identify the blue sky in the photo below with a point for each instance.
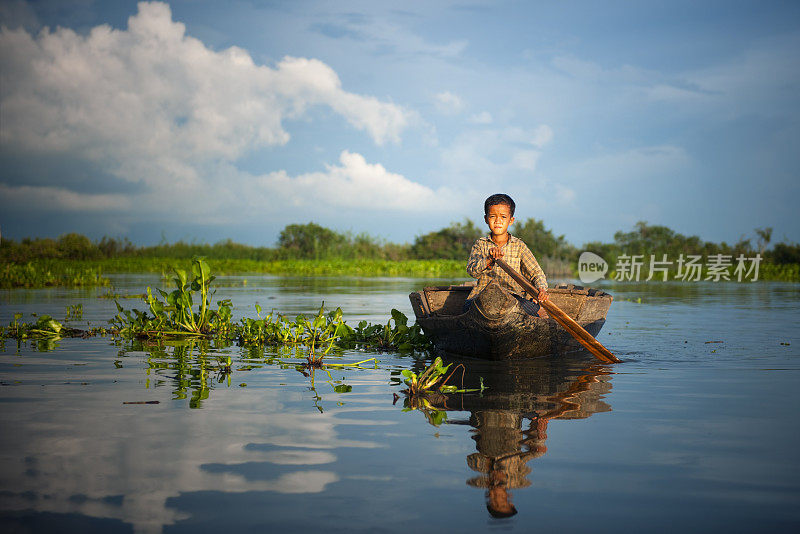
(201, 120)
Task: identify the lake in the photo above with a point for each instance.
(697, 429)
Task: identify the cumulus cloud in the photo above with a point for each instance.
(447, 102)
(354, 183)
(152, 105)
(152, 86)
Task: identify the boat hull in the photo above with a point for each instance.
(495, 327)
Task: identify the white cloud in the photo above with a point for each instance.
(152, 104)
(484, 117)
(353, 184)
(447, 102)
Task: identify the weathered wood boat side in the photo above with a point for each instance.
(496, 327)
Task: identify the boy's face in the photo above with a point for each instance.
(499, 219)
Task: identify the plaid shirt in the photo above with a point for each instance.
(516, 254)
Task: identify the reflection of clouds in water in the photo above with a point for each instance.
(74, 463)
(303, 482)
(377, 478)
(299, 457)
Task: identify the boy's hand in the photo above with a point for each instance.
(493, 255)
(542, 295)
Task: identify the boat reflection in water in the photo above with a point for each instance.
(510, 418)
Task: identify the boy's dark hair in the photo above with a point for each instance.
(499, 198)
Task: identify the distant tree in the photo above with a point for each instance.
(77, 247)
(783, 253)
(764, 237)
(310, 241)
(542, 241)
(453, 242)
(110, 247)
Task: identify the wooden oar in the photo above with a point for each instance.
(575, 330)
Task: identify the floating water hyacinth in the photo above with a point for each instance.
(175, 315)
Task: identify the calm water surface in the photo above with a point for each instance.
(684, 435)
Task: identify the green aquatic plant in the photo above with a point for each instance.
(186, 312)
(175, 315)
(319, 333)
(44, 328)
(432, 379)
(395, 335)
(47, 327)
(179, 303)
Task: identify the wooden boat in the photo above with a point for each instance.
(497, 328)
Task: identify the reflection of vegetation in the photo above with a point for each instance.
(338, 386)
(189, 367)
(74, 311)
(425, 391)
(194, 367)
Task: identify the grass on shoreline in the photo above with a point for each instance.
(89, 273)
(79, 273)
(332, 267)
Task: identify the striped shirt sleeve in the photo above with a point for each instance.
(530, 268)
(476, 265)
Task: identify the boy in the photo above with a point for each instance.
(499, 215)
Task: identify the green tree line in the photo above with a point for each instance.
(646, 239)
(312, 241)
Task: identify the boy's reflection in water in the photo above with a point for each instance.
(503, 454)
(510, 422)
